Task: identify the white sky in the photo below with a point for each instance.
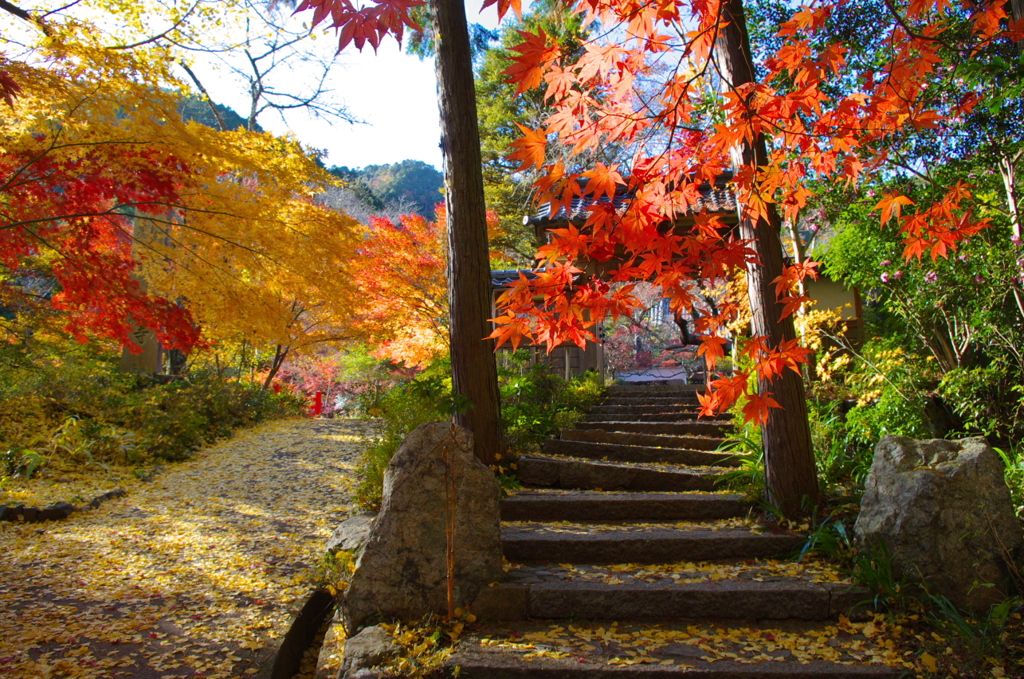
(393, 92)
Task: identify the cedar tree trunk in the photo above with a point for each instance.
(474, 372)
(788, 456)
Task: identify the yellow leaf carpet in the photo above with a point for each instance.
(191, 574)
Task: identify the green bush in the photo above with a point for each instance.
(536, 403)
(178, 418)
(989, 401)
(843, 459)
(407, 406)
(79, 409)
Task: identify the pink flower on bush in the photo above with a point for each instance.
(898, 275)
(885, 277)
(931, 277)
(885, 262)
(979, 279)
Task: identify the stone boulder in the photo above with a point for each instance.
(352, 533)
(944, 511)
(402, 572)
(369, 648)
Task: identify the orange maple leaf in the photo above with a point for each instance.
(530, 148)
(712, 349)
(604, 181)
(510, 329)
(503, 7)
(535, 55)
(890, 205)
(758, 406)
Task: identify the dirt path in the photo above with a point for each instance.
(190, 575)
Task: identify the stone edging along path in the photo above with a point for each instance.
(62, 510)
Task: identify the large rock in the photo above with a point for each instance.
(944, 511)
(367, 649)
(401, 572)
(352, 533)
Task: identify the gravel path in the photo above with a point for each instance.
(190, 575)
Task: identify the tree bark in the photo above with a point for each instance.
(280, 353)
(474, 371)
(790, 471)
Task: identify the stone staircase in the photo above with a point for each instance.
(618, 536)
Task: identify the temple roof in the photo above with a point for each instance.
(717, 198)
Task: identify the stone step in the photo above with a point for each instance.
(671, 428)
(639, 543)
(644, 409)
(632, 439)
(621, 453)
(578, 505)
(651, 400)
(585, 650)
(654, 389)
(486, 664)
(536, 470)
(656, 417)
(546, 596)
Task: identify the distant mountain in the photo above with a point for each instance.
(198, 109)
(410, 186)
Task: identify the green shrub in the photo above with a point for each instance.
(407, 406)
(748, 478)
(989, 401)
(1013, 458)
(843, 460)
(536, 403)
(79, 409)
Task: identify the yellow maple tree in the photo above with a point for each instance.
(103, 184)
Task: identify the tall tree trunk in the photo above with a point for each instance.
(474, 372)
(789, 458)
(280, 353)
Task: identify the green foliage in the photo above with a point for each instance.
(77, 408)
(842, 461)
(981, 638)
(831, 539)
(508, 190)
(889, 385)
(888, 388)
(749, 477)
(959, 309)
(410, 182)
(20, 462)
(1013, 459)
(428, 398)
(198, 109)
(872, 567)
(178, 418)
(868, 565)
(334, 571)
(989, 400)
(536, 403)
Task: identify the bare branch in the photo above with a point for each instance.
(209, 100)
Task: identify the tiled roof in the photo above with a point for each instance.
(501, 279)
(718, 198)
(505, 277)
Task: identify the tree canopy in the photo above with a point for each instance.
(145, 218)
